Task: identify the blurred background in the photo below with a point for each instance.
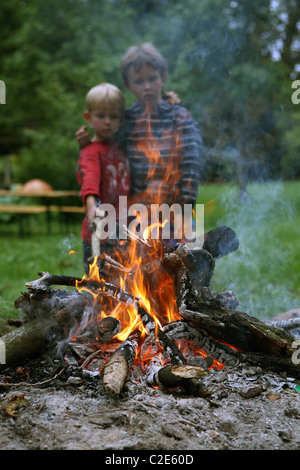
(232, 64)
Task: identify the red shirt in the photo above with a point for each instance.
(103, 171)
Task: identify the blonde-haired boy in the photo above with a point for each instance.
(103, 170)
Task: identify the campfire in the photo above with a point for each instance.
(149, 315)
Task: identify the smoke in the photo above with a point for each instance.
(71, 243)
(258, 272)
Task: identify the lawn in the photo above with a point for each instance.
(264, 272)
(22, 257)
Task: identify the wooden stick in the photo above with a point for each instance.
(133, 237)
(36, 384)
(115, 372)
(103, 288)
(47, 279)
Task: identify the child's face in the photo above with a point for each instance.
(146, 85)
(105, 122)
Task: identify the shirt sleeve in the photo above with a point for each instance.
(89, 173)
(191, 150)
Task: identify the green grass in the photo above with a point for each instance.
(22, 257)
(264, 272)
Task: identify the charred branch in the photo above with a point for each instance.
(225, 353)
(220, 242)
(238, 328)
(115, 372)
(158, 334)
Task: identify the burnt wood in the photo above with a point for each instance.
(115, 372)
(220, 241)
(158, 334)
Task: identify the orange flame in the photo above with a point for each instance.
(159, 301)
(143, 276)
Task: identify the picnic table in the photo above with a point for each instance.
(49, 202)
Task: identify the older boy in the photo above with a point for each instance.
(173, 130)
(154, 126)
(103, 170)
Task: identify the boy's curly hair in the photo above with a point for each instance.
(138, 56)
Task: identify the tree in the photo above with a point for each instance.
(57, 52)
(221, 63)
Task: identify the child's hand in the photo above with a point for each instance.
(171, 97)
(100, 212)
(91, 207)
(83, 137)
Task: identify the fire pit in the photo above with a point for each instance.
(143, 341)
(149, 313)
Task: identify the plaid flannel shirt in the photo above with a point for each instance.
(172, 136)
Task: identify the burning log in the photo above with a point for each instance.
(237, 328)
(224, 353)
(158, 334)
(115, 372)
(216, 314)
(172, 376)
(212, 349)
(108, 327)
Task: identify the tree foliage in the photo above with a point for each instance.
(232, 64)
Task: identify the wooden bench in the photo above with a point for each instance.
(39, 209)
(19, 209)
(32, 209)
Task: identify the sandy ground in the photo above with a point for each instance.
(247, 409)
